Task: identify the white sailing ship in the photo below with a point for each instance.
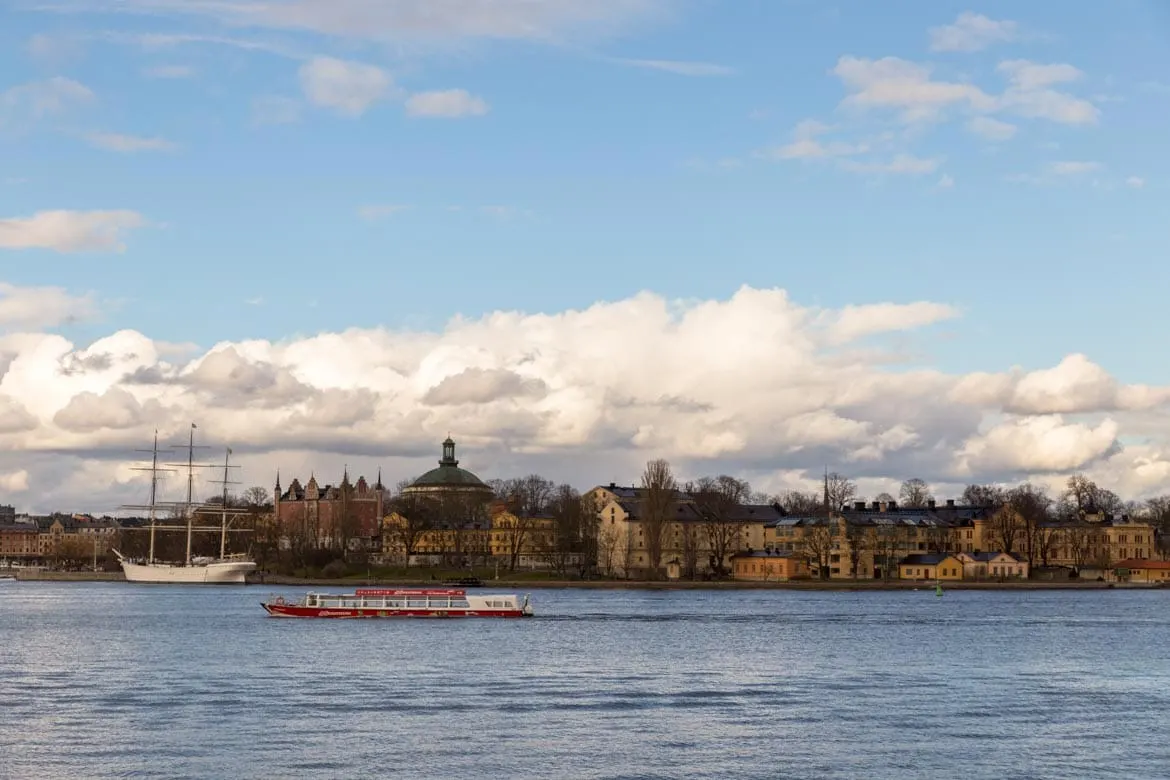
(225, 569)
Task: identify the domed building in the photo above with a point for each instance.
(450, 481)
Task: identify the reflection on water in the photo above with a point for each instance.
(119, 680)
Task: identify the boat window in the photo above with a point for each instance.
(460, 603)
(416, 603)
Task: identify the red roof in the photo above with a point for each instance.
(1138, 563)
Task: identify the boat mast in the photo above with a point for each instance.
(190, 487)
(153, 493)
(224, 508)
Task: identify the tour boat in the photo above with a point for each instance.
(397, 602)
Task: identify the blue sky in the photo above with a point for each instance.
(274, 171)
(615, 178)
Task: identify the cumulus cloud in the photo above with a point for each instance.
(806, 145)
(991, 129)
(755, 384)
(971, 32)
(420, 21)
(117, 142)
(41, 307)
(70, 231)
(14, 482)
(910, 88)
(350, 88)
(448, 103)
(39, 99)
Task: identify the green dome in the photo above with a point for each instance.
(448, 476)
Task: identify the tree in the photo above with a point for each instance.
(1157, 511)
(656, 500)
(859, 539)
(1004, 528)
(915, 493)
(888, 543)
(801, 504)
(840, 489)
(256, 497)
(571, 518)
(1031, 506)
(986, 496)
(608, 542)
(884, 498)
(818, 545)
(526, 499)
(940, 538)
(718, 499)
(1082, 496)
(412, 518)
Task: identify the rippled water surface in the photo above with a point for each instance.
(120, 680)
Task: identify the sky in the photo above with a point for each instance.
(909, 239)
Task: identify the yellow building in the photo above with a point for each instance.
(694, 543)
(767, 566)
(930, 567)
(1143, 571)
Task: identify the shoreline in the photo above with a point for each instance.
(274, 580)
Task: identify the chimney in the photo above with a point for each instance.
(930, 503)
(859, 505)
(612, 485)
(950, 503)
(877, 506)
(891, 505)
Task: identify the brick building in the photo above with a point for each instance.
(348, 515)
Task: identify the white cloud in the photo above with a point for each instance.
(586, 395)
(901, 164)
(345, 86)
(448, 103)
(910, 88)
(1028, 75)
(971, 32)
(1073, 167)
(1137, 182)
(805, 145)
(891, 82)
(14, 482)
(945, 182)
(169, 72)
(416, 21)
(39, 99)
(991, 129)
(70, 231)
(680, 67)
(41, 307)
(381, 211)
(275, 110)
(116, 142)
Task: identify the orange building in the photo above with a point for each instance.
(767, 566)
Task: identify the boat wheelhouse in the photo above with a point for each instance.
(400, 602)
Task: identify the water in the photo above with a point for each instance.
(117, 680)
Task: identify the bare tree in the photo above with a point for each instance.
(1004, 528)
(1031, 506)
(1079, 538)
(817, 543)
(413, 517)
(1157, 511)
(915, 493)
(257, 496)
(841, 490)
(608, 542)
(801, 504)
(940, 538)
(718, 499)
(690, 550)
(986, 496)
(571, 519)
(859, 539)
(888, 542)
(656, 501)
(884, 498)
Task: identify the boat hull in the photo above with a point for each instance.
(217, 573)
(299, 611)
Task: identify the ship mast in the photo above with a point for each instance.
(153, 491)
(223, 529)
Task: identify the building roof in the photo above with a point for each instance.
(924, 559)
(765, 554)
(1141, 563)
(449, 475)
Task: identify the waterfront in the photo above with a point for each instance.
(117, 680)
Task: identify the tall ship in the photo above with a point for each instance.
(222, 570)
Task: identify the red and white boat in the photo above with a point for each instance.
(400, 602)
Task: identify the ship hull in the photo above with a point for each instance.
(217, 573)
(298, 611)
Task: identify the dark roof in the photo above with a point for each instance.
(633, 492)
(680, 511)
(924, 559)
(764, 554)
(449, 475)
